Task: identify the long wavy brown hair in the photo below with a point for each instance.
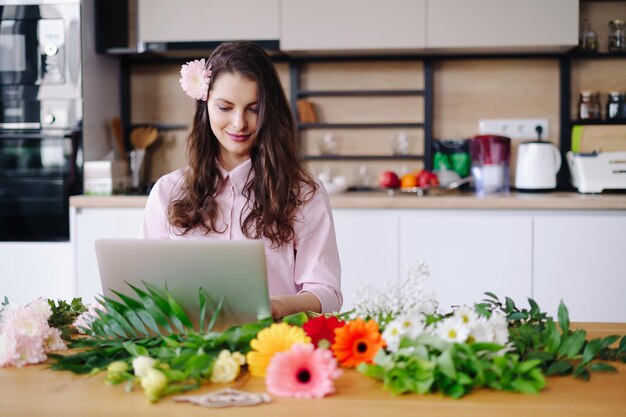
(279, 184)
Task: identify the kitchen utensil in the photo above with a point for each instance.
(537, 165)
(490, 163)
(595, 172)
(136, 167)
(142, 137)
(118, 134)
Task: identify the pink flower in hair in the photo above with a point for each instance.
(302, 372)
(195, 78)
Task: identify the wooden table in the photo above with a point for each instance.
(38, 391)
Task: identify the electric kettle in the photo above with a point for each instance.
(537, 165)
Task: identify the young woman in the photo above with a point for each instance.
(244, 180)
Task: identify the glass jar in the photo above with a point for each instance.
(616, 36)
(615, 105)
(588, 40)
(589, 105)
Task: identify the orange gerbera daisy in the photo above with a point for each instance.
(357, 342)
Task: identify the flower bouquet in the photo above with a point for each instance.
(397, 336)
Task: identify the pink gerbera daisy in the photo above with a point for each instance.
(302, 372)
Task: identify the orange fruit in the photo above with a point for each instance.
(408, 181)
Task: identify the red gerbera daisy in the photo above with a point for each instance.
(357, 342)
(322, 328)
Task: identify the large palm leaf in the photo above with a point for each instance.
(154, 312)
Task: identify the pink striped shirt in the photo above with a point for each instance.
(310, 262)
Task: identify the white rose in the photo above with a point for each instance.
(226, 367)
(141, 364)
(153, 383)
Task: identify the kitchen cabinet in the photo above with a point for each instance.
(35, 269)
(327, 25)
(505, 25)
(207, 20)
(88, 225)
(368, 248)
(469, 253)
(579, 258)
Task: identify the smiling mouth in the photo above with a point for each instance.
(238, 138)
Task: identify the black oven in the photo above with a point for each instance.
(41, 112)
(38, 173)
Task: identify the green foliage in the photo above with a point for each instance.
(64, 314)
(145, 327)
(429, 364)
(560, 350)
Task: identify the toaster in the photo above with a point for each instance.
(597, 171)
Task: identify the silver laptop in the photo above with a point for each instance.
(235, 270)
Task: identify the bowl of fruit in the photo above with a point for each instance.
(418, 183)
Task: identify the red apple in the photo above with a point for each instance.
(427, 179)
(389, 179)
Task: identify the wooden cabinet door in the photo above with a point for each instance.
(530, 25)
(580, 259)
(469, 253)
(328, 25)
(207, 20)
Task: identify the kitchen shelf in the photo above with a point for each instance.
(161, 127)
(422, 120)
(359, 93)
(361, 157)
(357, 125)
(598, 122)
(596, 55)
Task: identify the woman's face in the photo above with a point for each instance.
(233, 113)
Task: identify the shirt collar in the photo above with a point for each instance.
(238, 176)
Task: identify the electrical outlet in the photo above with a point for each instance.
(514, 128)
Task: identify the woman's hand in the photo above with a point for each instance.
(284, 305)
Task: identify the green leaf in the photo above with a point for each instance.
(482, 346)
(526, 387)
(446, 364)
(559, 368)
(492, 295)
(526, 366)
(115, 316)
(609, 340)
(573, 344)
(582, 372)
(215, 315)
(179, 313)
(372, 371)
(603, 367)
(554, 337)
(153, 308)
(534, 307)
(591, 350)
(297, 319)
(510, 305)
(199, 365)
(517, 316)
(135, 349)
(202, 296)
(622, 344)
(131, 313)
(563, 315)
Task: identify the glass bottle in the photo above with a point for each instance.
(589, 105)
(588, 40)
(616, 36)
(615, 105)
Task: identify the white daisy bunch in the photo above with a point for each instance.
(410, 297)
(466, 326)
(404, 326)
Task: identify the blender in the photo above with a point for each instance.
(490, 163)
